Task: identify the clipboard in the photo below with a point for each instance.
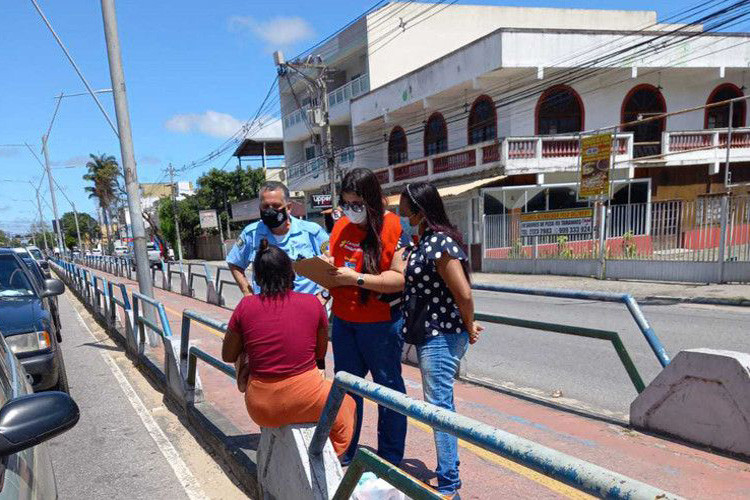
(316, 269)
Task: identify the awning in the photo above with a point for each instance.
(460, 189)
(455, 190)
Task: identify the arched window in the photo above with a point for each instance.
(716, 117)
(559, 111)
(397, 146)
(482, 120)
(644, 101)
(435, 135)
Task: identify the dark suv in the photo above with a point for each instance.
(27, 323)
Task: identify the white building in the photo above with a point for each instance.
(489, 104)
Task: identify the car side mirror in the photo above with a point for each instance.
(53, 287)
(30, 419)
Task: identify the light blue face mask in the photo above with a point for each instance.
(354, 216)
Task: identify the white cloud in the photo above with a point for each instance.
(222, 125)
(73, 161)
(276, 32)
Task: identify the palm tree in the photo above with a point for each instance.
(102, 172)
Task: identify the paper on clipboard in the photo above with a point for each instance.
(316, 269)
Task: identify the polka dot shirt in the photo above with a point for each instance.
(424, 281)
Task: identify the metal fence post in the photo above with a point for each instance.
(723, 236)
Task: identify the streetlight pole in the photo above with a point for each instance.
(41, 217)
(60, 241)
(173, 188)
(117, 76)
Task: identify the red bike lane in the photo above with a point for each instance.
(674, 466)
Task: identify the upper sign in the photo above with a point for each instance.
(595, 157)
(321, 201)
(208, 219)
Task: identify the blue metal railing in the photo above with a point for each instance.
(623, 298)
(578, 473)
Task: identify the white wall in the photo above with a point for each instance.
(432, 31)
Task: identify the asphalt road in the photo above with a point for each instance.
(587, 372)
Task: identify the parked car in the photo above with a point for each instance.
(120, 251)
(27, 420)
(39, 275)
(96, 252)
(27, 322)
(154, 256)
(40, 259)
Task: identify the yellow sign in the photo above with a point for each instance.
(596, 151)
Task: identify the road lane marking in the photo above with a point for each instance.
(182, 472)
(537, 477)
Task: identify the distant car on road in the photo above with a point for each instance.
(96, 252)
(27, 420)
(120, 251)
(40, 259)
(28, 324)
(154, 256)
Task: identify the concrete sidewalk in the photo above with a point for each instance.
(643, 291)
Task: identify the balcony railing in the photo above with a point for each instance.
(346, 92)
(698, 140)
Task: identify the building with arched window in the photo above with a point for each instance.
(482, 120)
(644, 101)
(493, 106)
(718, 117)
(435, 135)
(397, 146)
(559, 110)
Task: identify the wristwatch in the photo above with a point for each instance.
(325, 294)
(361, 280)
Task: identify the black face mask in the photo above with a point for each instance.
(273, 218)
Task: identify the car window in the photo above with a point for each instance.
(35, 271)
(37, 254)
(13, 279)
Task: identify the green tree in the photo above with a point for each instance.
(87, 224)
(218, 189)
(187, 213)
(103, 172)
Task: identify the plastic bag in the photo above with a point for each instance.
(371, 487)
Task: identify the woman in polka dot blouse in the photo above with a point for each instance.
(438, 311)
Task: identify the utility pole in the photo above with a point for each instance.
(323, 121)
(226, 209)
(173, 187)
(78, 230)
(60, 241)
(41, 217)
(117, 76)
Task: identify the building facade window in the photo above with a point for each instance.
(559, 111)
(397, 146)
(644, 101)
(482, 120)
(435, 135)
(717, 117)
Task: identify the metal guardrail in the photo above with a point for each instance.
(577, 331)
(183, 382)
(623, 298)
(579, 474)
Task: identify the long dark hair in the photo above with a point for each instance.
(424, 198)
(362, 182)
(273, 271)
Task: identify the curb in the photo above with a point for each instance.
(716, 301)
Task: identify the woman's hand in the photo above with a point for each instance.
(474, 332)
(322, 373)
(344, 276)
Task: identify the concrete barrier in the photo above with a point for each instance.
(703, 396)
(287, 471)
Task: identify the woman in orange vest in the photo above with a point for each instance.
(366, 336)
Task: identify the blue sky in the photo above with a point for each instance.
(195, 70)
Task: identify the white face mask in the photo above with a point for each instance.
(355, 217)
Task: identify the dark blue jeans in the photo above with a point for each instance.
(439, 359)
(359, 348)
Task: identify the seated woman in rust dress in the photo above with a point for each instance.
(284, 336)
